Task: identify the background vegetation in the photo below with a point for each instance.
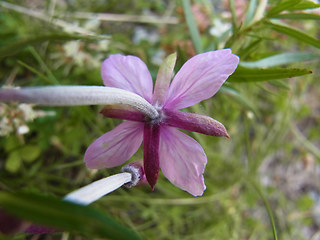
(262, 183)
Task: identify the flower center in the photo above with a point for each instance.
(160, 118)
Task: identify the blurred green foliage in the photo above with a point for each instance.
(271, 114)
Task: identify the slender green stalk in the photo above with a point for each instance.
(268, 208)
(192, 25)
(51, 76)
(234, 16)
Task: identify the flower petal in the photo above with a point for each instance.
(151, 137)
(182, 160)
(115, 147)
(200, 78)
(195, 122)
(128, 73)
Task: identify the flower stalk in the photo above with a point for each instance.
(78, 95)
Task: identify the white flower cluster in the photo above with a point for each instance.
(14, 117)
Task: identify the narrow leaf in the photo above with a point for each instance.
(280, 59)
(306, 4)
(243, 74)
(35, 71)
(280, 84)
(250, 12)
(300, 16)
(268, 208)
(297, 34)
(234, 16)
(192, 25)
(284, 5)
(66, 216)
(251, 47)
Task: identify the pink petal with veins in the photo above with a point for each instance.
(182, 160)
(128, 73)
(200, 78)
(115, 147)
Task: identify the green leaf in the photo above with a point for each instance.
(192, 25)
(250, 12)
(280, 59)
(29, 153)
(297, 34)
(11, 143)
(282, 6)
(35, 71)
(250, 48)
(306, 4)
(233, 16)
(300, 16)
(16, 46)
(243, 74)
(43, 65)
(13, 162)
(280, 84)
(63, 215)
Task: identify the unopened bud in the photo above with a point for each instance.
(137, 171)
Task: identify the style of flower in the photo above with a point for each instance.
(181, 158)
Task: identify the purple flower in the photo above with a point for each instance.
(181, 158)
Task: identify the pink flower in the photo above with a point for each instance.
(181, 158)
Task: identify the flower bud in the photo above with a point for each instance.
(137, 171)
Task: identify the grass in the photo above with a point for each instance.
(273, 126)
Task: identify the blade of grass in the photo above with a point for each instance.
(250, 12)
(243, 74)
(35, 71)
(305, 141)
(280, 59)
(284, 5)
(306, 4)
(233, 16)
(280, 84)
(251, 47)
(268, 208)
(36, 55)
(192, 25)
(301, 16)
(64, 215)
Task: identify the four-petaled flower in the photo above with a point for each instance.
(181, 158)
